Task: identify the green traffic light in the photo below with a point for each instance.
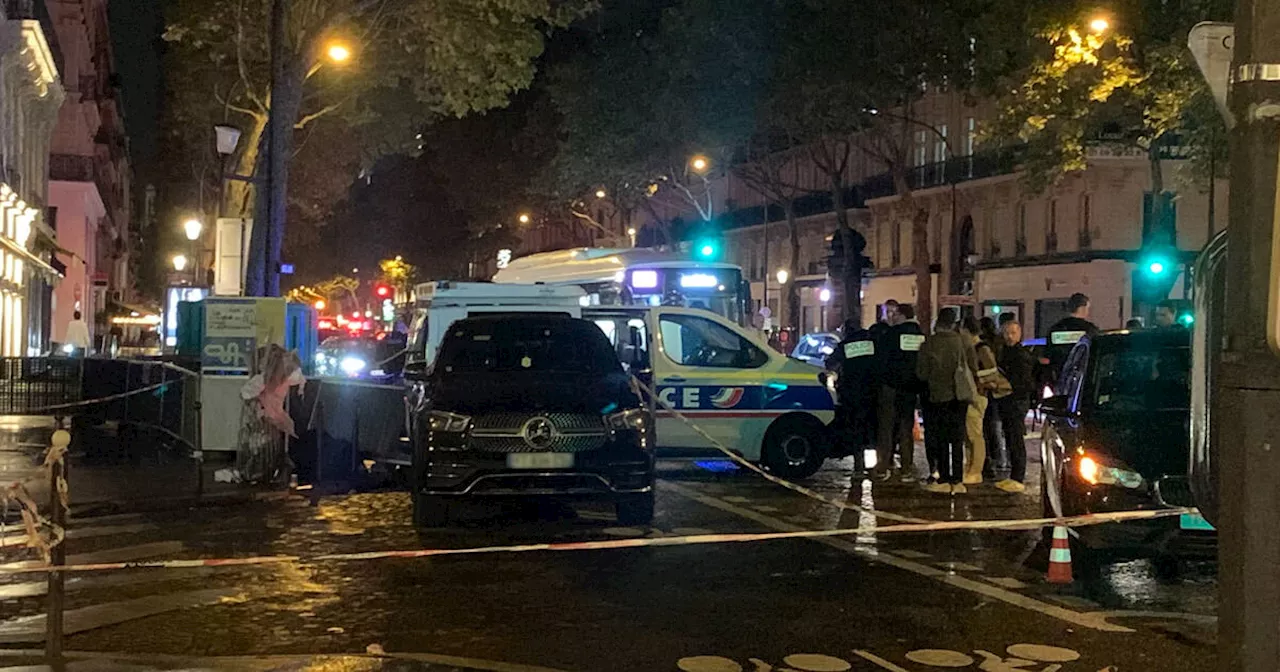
(706, 250)
(1156, 267)
(1187, 319)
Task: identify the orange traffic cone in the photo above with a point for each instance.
(1060, 556)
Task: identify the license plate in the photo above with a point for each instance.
(540, 460)
(1194, 521)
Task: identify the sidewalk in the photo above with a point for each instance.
(156, 479)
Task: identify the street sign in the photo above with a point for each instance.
(1211, 44)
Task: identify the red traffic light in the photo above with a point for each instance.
(382, 291)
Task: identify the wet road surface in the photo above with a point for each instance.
(870, 601)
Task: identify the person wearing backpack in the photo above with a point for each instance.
(946, 365)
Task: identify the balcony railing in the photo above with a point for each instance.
(71, 168)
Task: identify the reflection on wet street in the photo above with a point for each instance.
(649, 608)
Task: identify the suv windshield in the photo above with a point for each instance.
(1144, 379)
(544, 345)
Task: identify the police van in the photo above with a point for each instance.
(750, 399)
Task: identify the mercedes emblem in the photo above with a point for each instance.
(539, 433)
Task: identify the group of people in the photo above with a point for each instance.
(972, 380)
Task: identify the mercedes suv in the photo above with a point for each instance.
(529, 405)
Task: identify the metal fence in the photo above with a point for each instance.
(159, 400)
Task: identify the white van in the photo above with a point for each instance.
(758, 403)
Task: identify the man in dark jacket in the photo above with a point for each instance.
(1065, 333)
(1018, 366)
(899, 392)
(855, 363)
(941, 363)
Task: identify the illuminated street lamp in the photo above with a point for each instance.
(1099, 24)
(782, 276)
(338, 52)
(192, 227)
(632, 233)
(179, 262)
(699, 163)
(524, 218)
(600, 193)
(320, 304)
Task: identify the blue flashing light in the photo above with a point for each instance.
(717, 466)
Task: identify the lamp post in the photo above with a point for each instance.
(179, 262)
(193, 227)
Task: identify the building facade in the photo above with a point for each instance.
(994, 245)
(30, 95)
(89, 171)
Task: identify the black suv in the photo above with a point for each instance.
(1117, 439)
(530, 405)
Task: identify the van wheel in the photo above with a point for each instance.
(430, 511)
(635, 509)
(795, 447)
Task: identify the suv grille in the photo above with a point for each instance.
(502, 433)
(512, 423)
(1174, 491)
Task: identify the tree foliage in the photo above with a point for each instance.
(1133, 83)
(413, 61)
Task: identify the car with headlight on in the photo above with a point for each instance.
(528, 405)
(370, 358)
(1117, 439)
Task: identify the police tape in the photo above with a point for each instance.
(746, 464)
(610, 544)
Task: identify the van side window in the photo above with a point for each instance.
(696, 341)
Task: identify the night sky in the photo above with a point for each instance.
(136, 26)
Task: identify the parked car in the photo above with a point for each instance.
(815, 348)
(1117, 439)
(533, 404)
(377, 358)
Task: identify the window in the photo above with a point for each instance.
(970, 136)
(1086, 221)
(534, 345)
(940, 146)
(1020, 235)
(1144, 379)
(922, 148)
(697, 341)
(1051, 232)
(1073, 372)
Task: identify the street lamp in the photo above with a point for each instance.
(338, 52)
(699, 163)
(192, 227)
(600, 193)
(1099, 24)
(632, 233)
(524, 218)
(227, 137)
(782, 276)
(179, 262)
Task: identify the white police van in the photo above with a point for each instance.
(762, 405)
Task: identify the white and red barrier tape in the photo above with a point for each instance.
(609, 544)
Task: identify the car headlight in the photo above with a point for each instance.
(352, 365)
(443, 421)
(68, 348)
(632, 419)
(1094, 473)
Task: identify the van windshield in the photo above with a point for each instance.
(536, 345)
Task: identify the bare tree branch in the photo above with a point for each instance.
(241, 66)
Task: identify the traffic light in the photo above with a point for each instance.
(706, 249)
(382, 291)
(1156, 272)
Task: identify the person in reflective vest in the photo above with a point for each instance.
(856, 366)
(899, 393)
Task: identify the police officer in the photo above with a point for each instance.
(898, 393)
(1065, 333)
(856, 365)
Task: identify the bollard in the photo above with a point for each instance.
(58, 554)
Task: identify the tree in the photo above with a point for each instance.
(1123, 78)
(655, 84)
(398, 273)
(414, 60)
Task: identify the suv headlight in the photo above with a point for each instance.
(1095, 472)
(443, 421)
(632, 419)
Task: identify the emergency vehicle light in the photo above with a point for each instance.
(644, 279)
(698, 280)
